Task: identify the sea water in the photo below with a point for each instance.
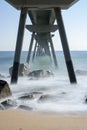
(60, 95)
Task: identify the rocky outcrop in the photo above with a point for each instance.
(81, 72)
(86, 100)
(4, 89)
(36, 73)
(8, 103)
(2, 107)
(45, 97)
(24, 107)
(23, 70)
(26, 96)
(40, 73)
(29, 96)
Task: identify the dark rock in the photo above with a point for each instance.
(9, 103)
(40, 73)
(36, 73)
(45, 97)
(4, 89)
(49, 73)
(27, 96)
(81, 72)
(23, 70)
(2, 107)
(86, 100)
(63, 93)
(36, 93)
(25, 107)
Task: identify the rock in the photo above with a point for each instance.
(23, 70)
(27, 96)
(36, 93)
(9, 103)
(49, 73)
(44, 97)
(86, 100)
(2, 107)
(26, 69)
(63, 93)
(25, 107)
(40, 73)
(81, 72)
(36, 73)
(4, 89)
(30, 96)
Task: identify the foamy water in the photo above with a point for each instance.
(59, 94)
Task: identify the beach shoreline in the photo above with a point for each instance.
(29, 120)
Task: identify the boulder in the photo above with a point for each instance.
(81, 72)
(36, 73)
(24, 107)
(49, 73)
(86, 100)
(8, 103)
(4, 89)
(29, 96)
(40, 73)
(45, 97)
(36, 93)
(2, 107)
(23, 69)
(26, 96)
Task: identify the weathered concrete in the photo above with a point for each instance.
(63, 4)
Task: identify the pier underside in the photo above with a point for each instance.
(63, 4)
(43, 15)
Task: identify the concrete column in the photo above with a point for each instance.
(65, 46)
(19, 43)
(30, 47)
(34, 51)
(53, 52)
(47, 49)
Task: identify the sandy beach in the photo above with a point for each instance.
(24, 120)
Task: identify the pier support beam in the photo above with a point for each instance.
(47, 49)
(42, 39)
(14, 76)
(65, 46)
(53, 52)
(30, 47)
(34, 51)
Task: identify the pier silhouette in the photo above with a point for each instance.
(43, 14)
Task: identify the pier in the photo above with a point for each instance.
(43, 14)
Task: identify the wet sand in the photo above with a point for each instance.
(25, 120)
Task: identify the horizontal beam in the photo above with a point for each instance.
(40, 17)
(63, 4)
(42, 28)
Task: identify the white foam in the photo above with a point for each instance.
(66, 97)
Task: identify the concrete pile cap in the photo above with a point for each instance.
(63, 4)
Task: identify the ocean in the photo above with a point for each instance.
(54, 93)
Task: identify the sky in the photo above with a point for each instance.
(74, 18)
